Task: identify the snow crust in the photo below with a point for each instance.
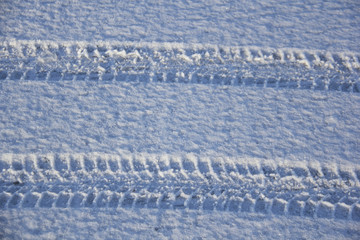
(317, 24)
(41, 117)
(166, 224)
(196, 87)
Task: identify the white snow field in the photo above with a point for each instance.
(179, 119)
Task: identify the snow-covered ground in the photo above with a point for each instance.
(307, 24)
(179, 119)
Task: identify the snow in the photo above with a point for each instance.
(177, 224)
(176, 118)
(179, 119)
(317, 24)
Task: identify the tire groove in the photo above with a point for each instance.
(180, 182)
(179, 63)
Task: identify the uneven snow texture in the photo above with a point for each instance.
(165, 224)
(315, 24)
(179, 119)
(41, 117)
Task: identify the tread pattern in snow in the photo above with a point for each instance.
(180, 182)
(178, 63)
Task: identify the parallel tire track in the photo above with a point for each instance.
(178, 63)
(180, 182)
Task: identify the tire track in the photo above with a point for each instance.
(180, 182)
(179, 63)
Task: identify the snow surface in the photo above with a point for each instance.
(179, 119)
(315, 24)
(215, 120)
(175, 224)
